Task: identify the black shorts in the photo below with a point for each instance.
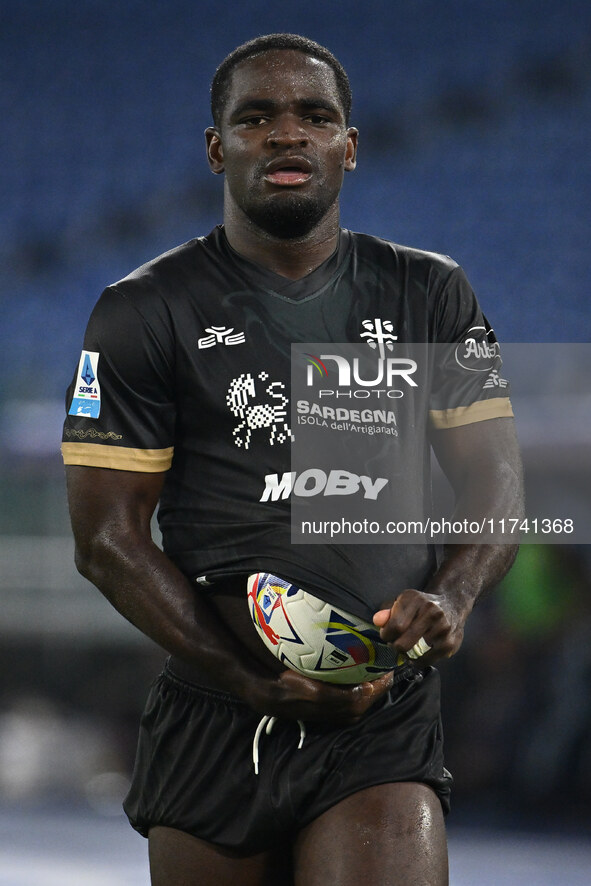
(194, 768)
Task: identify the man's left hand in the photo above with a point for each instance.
(416, 616)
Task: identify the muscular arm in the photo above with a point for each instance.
(111, 512)
(483, 465)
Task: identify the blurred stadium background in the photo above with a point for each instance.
(475, 121)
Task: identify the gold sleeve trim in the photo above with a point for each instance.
(120, 458)
(496, 407)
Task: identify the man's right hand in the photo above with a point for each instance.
(293, 696)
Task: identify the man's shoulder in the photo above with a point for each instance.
(162, 287)
(171, 268)
(370, 244)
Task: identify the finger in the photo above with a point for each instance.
(402, 614)
(371, 692)
(307, 699)
(429, 617)
(382, 684)
(443, 642)
(381, 618)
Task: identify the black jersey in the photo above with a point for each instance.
(186, 369)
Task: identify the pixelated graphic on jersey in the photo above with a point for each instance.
(241, 399)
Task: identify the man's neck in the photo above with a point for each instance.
(293, 259)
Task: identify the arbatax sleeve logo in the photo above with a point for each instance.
(86, 401)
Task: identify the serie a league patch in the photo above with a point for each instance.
(86, 401)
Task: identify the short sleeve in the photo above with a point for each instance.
(120, 404)
(467, 384)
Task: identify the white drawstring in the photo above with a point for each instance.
(267, 724)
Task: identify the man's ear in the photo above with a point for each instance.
(215, 152)
(351, 153)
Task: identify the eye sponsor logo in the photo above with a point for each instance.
(220, 335)
(479, 352)
(258, 406)
(495, 381)
(86, 402)
(314, 481)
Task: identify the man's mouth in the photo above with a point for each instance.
(289, 171)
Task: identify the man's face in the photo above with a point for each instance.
(283, 143)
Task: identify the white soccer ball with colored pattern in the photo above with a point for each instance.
(314, 637)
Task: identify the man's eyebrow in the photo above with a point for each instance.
(319, 104)
(254, 104)
(269, 105)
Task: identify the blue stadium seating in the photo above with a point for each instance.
(475, 121)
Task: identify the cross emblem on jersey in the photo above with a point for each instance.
(220, 335)
(379, 334)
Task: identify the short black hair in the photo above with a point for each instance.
(220, 85)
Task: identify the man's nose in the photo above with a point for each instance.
(288, 130)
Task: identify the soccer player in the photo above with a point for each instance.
(181, 397)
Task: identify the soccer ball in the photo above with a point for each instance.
(314, 637)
